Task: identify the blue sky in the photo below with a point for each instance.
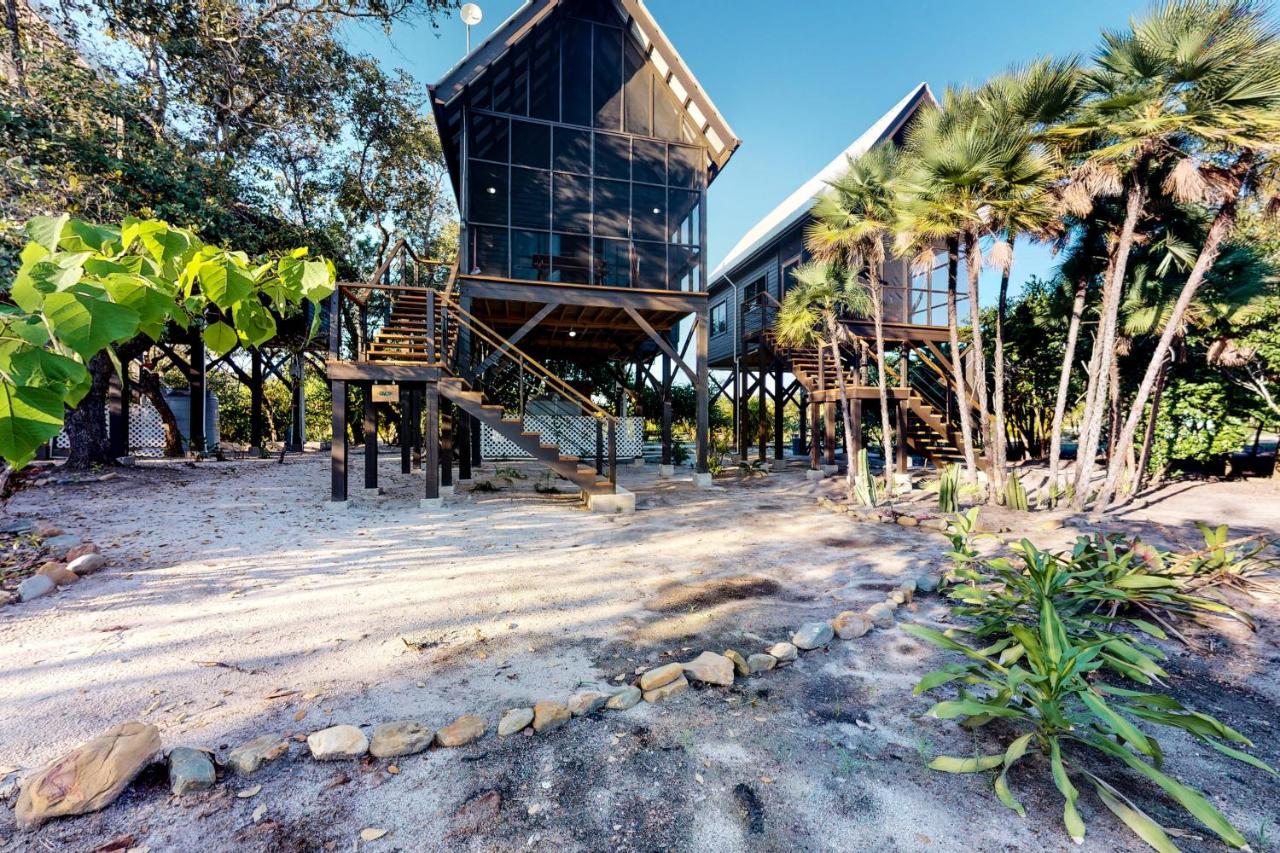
(799, 86)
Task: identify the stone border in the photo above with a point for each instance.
(97, 785)
(70, 559)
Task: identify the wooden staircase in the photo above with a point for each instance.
(413, 334)
(929, 433)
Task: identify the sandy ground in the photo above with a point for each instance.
(235, 593)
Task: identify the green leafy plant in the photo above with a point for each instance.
(961, 532)
(82, 288)
(748, 468)
(1015, 494)
(679, 453)
(864, 488)
(949, 489)
(1063, 716)
(1243, 563)
(509, 474)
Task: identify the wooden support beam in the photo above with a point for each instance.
(195, 379)
(447, 416)
(702, 423)
(661, 342)
(406, 428)
(666, 410)
(814, 420)
(338, 445)
(118, 399)
(299, 407)
(431, 438)
(901, 446)
(517, 336)
(464, 426)
(370, 439)
(257, 400)
(778, 401)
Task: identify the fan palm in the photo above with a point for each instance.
(810, 316)
(1193, 77)
(852, 223)
(1220, 64)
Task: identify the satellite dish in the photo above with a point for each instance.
(470, 14)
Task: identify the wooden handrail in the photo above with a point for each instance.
(511, 351)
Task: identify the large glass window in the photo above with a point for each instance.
(572, 150)
(685, 217)
(684, 166)
(649, 212)
(649, 161)
(544, 75)
(531, 255)
(610, 208)
(530, 198)
(571, 206)
(685, 269)
(613, 262)
(638, 92)
(488, 198)
(488, 137)
(531, 144)
(607, 79)
(719, 318)
(649, 268)
(488, 251)
(571, 259)
(613, 156)
(575, 72)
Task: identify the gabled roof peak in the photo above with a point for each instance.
(795, 206)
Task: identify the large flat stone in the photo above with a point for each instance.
(549, 715)
(89, 777)
(190, 770)
(402, 737)
(660, 675)
(514, 721)
(667, 691)
(248, 758)
(710, 668)
(462, 731)
(36, 586)
(627, 697)
(812, 635)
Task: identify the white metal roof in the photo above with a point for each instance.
(798, 204)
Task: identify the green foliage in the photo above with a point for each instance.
(82, 288)
(1015, 494)
(1198, 421)
(962, 532)
(949, 489)
(1049, 692)
(864, 488)
(679, 452)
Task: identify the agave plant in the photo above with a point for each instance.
(1015, 494)
(1064, 716)
(865, 485)
(948, 489)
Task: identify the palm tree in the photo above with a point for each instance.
(1220, 63)
(1188, 71)
(852, 223)
(810, 316)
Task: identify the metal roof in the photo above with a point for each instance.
(671, 67)
(797, 205)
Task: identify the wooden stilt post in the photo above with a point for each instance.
(802, 404)
(856, 407)
(370, 439)
(737, 419)
(701, 388)
(431, 441)
(338, 445)
(901, 446)
(406, 429)
(814, 419)
(447, 411)
(256, 399)
(298, 411)
(195, 380)
(666, 410)
(464, 444)
(762, 422)
(778, 449)
(477, 458)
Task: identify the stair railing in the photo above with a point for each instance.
(453, 319)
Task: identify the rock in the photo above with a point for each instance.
(761, 662)
(62, 544)
(403, 737)
(87, 563)
(908, 520)
(58, 573)
(89, 777)
(627, 697)
(190, 770)
(248, 758)
(881, 615)
(515, 720)
(898, 596)
(583, 703)
(36, 586)
(462, 731)
(812, 635)
(17, 525)
(928, 583)
(658, 676)
(850, 626)
(668, 690)
(80, 550)
(710, 668)
(337, 742)
(549, 715)
(739, 662)
(47, 530)
(939, 524)
(784, 652)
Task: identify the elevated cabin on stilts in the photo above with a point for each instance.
(580, 148)
(748, 287)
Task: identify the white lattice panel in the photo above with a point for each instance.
(576, 436)
(146, 431)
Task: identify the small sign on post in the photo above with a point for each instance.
(386, 393)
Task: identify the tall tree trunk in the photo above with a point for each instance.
(86, 424)
(1149, 436)
(1064, 380)
(149, 387)
(882, 379)
(957, 365)
(15, 46)
(833, 332)
(1086, 461)
(1223, 223)
(1113, 406)
(1000, 460)
(973, 268)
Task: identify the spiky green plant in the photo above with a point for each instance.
(865, 485)
(1015, 494)
(949, 489)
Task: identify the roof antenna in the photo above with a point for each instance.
(471, 15)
